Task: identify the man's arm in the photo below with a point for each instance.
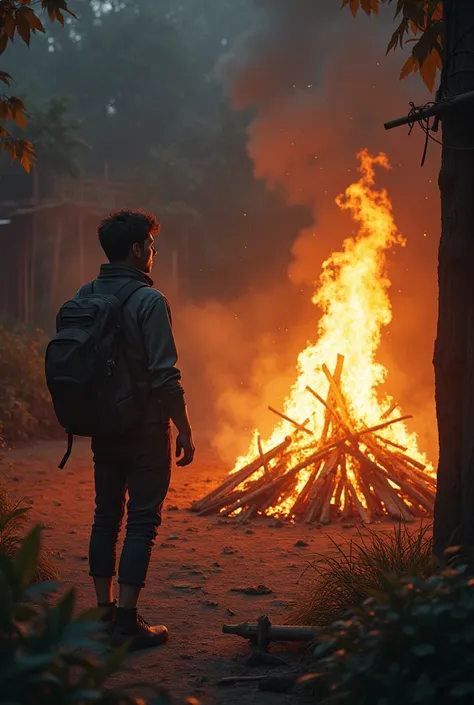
(165, 376)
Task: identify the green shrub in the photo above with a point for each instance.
(44, 650)
(412, 645)
(26, 410)
(344, 579)
(13, 520)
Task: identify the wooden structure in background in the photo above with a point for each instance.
(49, 242)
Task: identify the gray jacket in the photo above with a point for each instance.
(148, 336)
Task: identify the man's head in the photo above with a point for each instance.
(128, 237)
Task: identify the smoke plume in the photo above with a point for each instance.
(320, 89)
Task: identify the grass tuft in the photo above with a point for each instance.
(13, 527)
(358, 568)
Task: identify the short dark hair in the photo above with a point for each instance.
(122, 229)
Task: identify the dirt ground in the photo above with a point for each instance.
(195, 564)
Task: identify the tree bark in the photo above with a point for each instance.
(454, 347)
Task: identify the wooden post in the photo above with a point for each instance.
(34, 243)
(26, 278)
(454, 348)
(56, 261)
(80, 234)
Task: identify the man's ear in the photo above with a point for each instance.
(136, 249)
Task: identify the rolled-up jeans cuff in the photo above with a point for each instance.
(134, 583)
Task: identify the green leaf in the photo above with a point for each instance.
(65, 608)
(460, 690)
(23, 613)
(87, 696)
(424, 689)
(33, 592)
(113, 664)
(30, 662)
(26, 560)
(423, 650)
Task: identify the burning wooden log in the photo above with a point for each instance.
(347, 470)
(241, 475)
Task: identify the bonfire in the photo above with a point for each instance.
(339, 449)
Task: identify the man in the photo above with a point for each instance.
(139, 461)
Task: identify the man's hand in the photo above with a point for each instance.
(185, 445)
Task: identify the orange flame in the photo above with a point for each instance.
(353, 296)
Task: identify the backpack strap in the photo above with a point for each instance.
(70, 439)
(86, 290)
(127, 290)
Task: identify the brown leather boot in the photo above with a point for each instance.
(130, 626)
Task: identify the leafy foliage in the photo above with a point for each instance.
(347, 577)
(44, 649)
(413, 644)
(162, 132)
(18, 17)
(54, 133)
(13, 518)
(420, 23)
(26, 410)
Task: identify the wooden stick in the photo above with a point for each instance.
(362, 511)
(348, 504)
(379, 427)
(340, 487)
(248, 513)
(221, 502)
(330, 411)
(330, 466)
(390, 443)
(252, 495)
(340, 401)
(299, 426)
(388, 496)
(238, 477)
(263, 458)
(325, 516)
(390, 410)
(387, 493)
(316, 506)
(373, 502)
(405, 486)
(419, 466)
(390, 461)
(348, 429)
(301, 500)
(315, 499)
(327, 417)
(418, 483)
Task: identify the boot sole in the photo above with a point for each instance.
(138, 643)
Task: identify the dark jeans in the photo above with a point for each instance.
(140, 464)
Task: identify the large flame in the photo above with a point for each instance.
(353, 296)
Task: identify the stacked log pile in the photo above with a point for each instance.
(351, 472)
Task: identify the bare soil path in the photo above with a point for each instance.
(195, 564)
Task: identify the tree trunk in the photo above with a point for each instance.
(454, 348)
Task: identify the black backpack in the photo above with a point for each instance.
(87, 373)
